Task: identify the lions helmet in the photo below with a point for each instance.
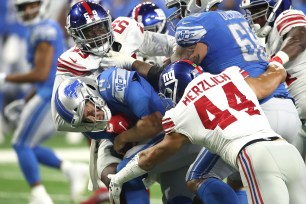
(90, 27)
(71, 98)
(195, 6)
(175, 78)
(268, 9)
(150, 16)
(31, 15)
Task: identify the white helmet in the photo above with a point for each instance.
(196, 6)
(42, 10)
(70, 99)
(179, 13)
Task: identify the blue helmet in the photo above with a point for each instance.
(150, 16)
(175, 78)
(90, 27)
(269, 9)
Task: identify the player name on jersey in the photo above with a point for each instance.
(204, 85)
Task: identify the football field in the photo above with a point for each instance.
(14, 189)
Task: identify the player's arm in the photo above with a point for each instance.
(293, 45)
(42, 65)
(264, 85)
(149, 158)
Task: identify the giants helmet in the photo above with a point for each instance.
(150, 16)
(70, 99)
(273, 8)
(90, 27)
(175, 78)
(41, 10)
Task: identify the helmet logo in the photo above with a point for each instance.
(70, 90)
(169, 77)
(89, 17)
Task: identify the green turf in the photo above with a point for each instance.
(14, 189)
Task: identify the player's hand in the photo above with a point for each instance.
(13, 110)
(118, 59)
(114, 189)
(118, 124)
(2, 78)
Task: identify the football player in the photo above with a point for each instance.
(222, 113)
(284, 30)
(222, 39)
(89, 25)
(45, 44)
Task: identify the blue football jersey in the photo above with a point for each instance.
(128, 93)
(45, 31)
(230, 42)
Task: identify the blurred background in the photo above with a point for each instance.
(13, 188)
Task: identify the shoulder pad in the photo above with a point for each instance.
(44, 32)
(73, 60)
(288, 20)
(189, 32)
(128, 33)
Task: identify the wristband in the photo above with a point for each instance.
(280, 57)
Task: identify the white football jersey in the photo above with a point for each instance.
(135, 41)
(220, 112)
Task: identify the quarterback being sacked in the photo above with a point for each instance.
(219, 106)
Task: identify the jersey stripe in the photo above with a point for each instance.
(290, 20)
(72, 66)
(168, 125)
(88, 9)
(63, 68)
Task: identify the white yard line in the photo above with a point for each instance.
(72, 154)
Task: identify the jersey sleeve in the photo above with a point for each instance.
(128, 33)
(45, 33)
(157, 44)
(289, 19)
(189, 32)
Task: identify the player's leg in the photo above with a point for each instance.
(172, 174)
(29, 122)
(283, 117)
(267, 167)
(206, 184)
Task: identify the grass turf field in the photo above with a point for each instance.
(14, 189)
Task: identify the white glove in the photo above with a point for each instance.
(13, 110)
(2, 78)
(114, 189)
(118, 59)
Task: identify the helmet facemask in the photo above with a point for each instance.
(31, 12)
(96, 123)
(177, 15)
(95, 37)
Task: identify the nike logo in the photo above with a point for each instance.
(185, 22)
(120, 123)
(74, 61)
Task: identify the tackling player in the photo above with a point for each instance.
(284, 30)
(222, 113)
